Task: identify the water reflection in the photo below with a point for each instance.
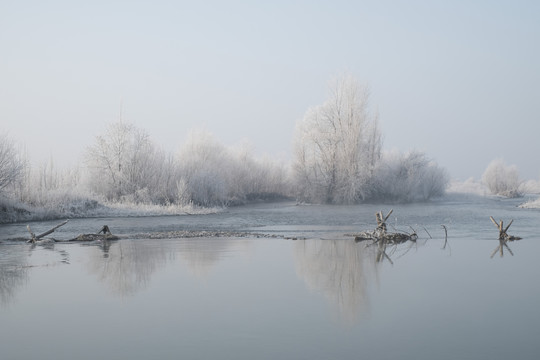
(500, 249)
(201, 255)
(127, 266)
(13, 274)
(337, 268)
(342, 269)
(16, 260)
(386, 249)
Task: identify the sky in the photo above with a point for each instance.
(459, 80)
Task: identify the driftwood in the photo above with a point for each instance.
(445, 236)
(381, 234)
(502, 230)
(503, 237)
(35, 237)
(103, 234)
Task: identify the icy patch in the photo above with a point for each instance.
(531, 204)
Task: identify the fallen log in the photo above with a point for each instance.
(103, 234)
(34, 237)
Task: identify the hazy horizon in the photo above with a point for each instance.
(457, 80)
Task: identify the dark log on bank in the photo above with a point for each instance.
(94, 237)
(103, 234)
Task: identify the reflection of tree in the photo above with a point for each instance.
(127, 266)
(335, 267)
(201, 254)
(13, 274)
(17, 259)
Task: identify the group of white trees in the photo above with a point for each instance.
(212, 174)
(126, 166)
(339, 159)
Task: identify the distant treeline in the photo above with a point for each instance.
(338, 159)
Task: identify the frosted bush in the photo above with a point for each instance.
(407, 178)
(502, 179)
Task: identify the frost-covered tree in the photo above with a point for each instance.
(12, 164)
(337, 146)
(203, 171)
(502, 179)
(122, 162)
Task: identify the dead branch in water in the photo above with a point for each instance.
(381, 234)
(445, 236)
(503, 237)
(37, 237)
(502, 230)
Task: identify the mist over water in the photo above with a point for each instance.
(318, 297)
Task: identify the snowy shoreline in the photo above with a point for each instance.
(16, 213)
(12, 212)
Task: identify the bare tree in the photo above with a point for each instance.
(122, 161)
(11, 163)
(337, 146)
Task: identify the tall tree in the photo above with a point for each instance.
(337, 146)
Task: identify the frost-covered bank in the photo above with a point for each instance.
(11, 211)
(532, 203)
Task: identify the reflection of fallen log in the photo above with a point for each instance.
(381, 234)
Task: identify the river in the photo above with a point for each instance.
(295, 285)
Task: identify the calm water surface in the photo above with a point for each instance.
(321, 297)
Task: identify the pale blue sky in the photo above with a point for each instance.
(457, 79)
